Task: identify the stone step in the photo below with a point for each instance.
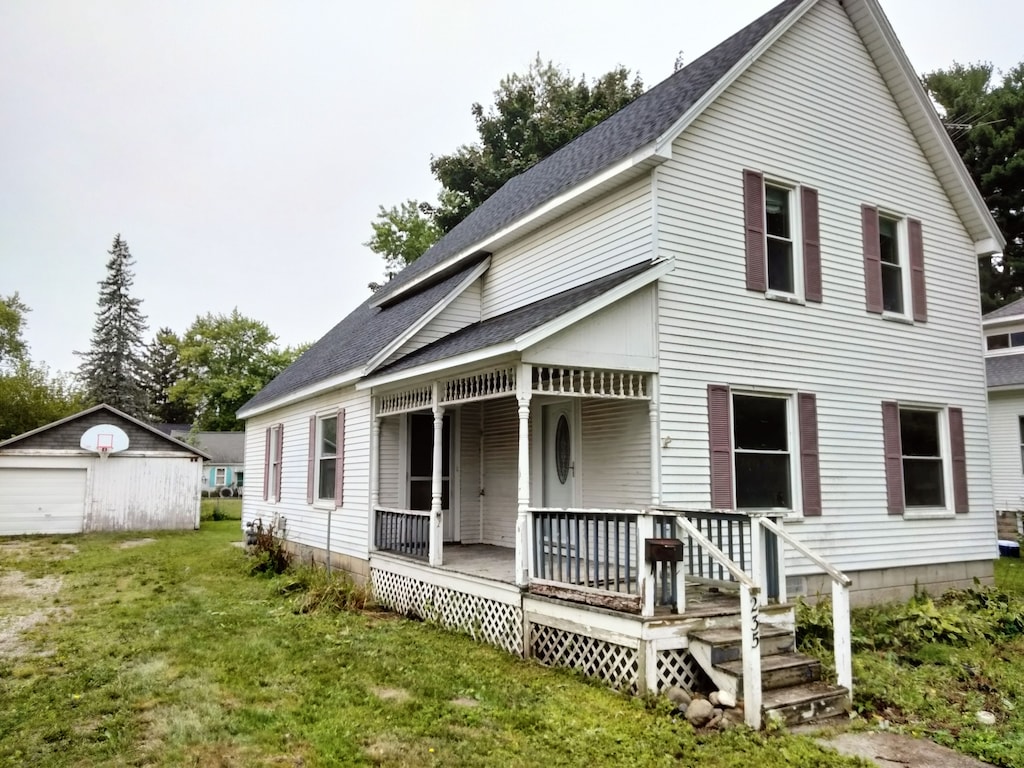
(805, 703)
(780, 670)
(725, 643)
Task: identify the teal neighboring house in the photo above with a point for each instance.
(224, 472)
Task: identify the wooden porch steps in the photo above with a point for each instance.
(792, 689)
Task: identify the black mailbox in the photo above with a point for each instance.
(663, 550)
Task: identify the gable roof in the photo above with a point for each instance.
(1013, 309)
(1004, 370)
(222, 447)
(109, 411)
(636, 135)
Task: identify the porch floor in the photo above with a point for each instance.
(488, 561)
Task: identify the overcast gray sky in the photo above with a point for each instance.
(241, 147)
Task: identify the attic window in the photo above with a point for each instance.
(1005, 340)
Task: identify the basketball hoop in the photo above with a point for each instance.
(103, 450)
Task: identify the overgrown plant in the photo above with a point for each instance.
(320, 590)
(268, 551)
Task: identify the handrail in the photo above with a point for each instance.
(717, 554)
(830, 569)
(589, 511)
(397, 511)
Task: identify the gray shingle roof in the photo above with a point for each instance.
(367, 330)
(1009, 310)
(1005, 370)
(222, 447)
(507, 327)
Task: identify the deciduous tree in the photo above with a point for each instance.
(13, 349)
(30, 398)
(533, 115)
(225, 360)
(113, 370)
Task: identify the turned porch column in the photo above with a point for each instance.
(436, 512)
(374, 479)
(523, 393)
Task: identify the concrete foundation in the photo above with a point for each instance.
(357, 568)
(898, 584)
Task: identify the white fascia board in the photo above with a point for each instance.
(1006, 388)
(342, 379)
(466, 359)
(416, 327)
(657, 270)
(664, 142)
(997, 322)
(537, 335)
(920, 104)
(651, 153)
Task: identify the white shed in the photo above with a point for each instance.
(50, 483)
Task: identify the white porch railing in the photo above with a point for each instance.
(402, 531)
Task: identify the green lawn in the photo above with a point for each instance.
(169, 654)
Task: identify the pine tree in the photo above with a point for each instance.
(113, 370)
(163, 371)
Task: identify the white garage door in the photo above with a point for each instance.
(42, 500)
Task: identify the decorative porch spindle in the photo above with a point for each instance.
(523, 492)
(436, 513)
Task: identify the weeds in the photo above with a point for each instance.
(268, 551)
(320, 590)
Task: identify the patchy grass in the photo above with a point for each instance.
(927, 667)
(170, 655)
(216, 508)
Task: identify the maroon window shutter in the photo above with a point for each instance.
(280, 461)
(311, 461)
(720, 439)
(893, 457)
(958, 454)
(810, 473)
(339, 463)
(812, 244)
(266, 467)
(753, 216)
(917, 286)
(872, 259)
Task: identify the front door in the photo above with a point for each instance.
(559, 455)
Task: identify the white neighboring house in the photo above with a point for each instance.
(730, 335)
(1004, 361)
(50, 484)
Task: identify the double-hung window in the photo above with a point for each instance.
(783, 250)
(325, 468)
(1020, 428)
(764, 450)
(925, 458)
(894, 281)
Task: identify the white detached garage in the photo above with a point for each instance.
(54, 479)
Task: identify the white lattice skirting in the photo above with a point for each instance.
(617, 665)
(484, 620)
(676, 667)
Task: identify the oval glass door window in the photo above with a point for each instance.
(562, 449)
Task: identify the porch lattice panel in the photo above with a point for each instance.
(617, 665)
(677, 667)
(489, 621)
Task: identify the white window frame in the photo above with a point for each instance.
(903, 262)
(220, 475)
(1020, 435)
(1013, 346)
(796, 239)
(946, 509)
(273, 492)
(319, 457)
(792, 443)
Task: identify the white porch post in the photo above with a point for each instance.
(523, 392)
(374, 480)
(653, 414)
(436, 513)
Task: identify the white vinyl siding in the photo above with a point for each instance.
(464, 310)
(603, 237)
(469, 472)
(1004, 411)
(307, 524)
(500, 500)
(389, 467)
(616, 454)
(786, 116)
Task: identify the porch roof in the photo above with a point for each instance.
(1005, 371)
(511, 325)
